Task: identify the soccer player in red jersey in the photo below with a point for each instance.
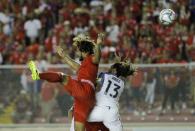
(81, 88)
(105, 114)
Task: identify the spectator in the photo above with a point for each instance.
(22, 108)
(107, 6)
(95, 3)
(43, 5)
(137, 86)
(150, 87)
(80, 29)
(184, 15)
(192, 9)
(48, 95)
(165, 3)
(32, 27)
(64, 100)
(93, 30)
(7, 20)
(112, 31)
(136, 19)
(183, 74)
(171, 82)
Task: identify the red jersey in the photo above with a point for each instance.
(172, 81)
(82, 89)
(88, 70)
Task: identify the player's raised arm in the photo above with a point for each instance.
(66, 59)
(97, 49)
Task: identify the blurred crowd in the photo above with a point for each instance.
(29, 29)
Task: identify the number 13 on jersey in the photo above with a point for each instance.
(115, 89)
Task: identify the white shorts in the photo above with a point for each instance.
(108, 115)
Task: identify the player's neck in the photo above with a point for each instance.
(85, 55)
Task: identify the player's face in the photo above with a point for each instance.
(81, 57)
(79, 54)
(112, 70)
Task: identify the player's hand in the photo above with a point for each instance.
(127, 59)
(117, 56)
(135, 69)
(60, 51)
(100, 38)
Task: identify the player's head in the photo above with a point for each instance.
(84, 46)
(122, 69)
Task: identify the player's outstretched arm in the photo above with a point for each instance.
(97, 49)
(66, 59)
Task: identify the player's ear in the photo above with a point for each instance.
(114, 71)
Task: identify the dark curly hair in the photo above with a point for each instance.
(123, 69)
(84, 44)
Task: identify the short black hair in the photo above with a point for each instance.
(123, 70)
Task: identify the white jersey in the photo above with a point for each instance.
(107, 99)
(111, 90)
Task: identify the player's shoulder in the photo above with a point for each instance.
(101, 74)
(110, 74)
(113, 77)
(105, 73)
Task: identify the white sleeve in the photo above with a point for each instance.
(38, 23)
(26, 25)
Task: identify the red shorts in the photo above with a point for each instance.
(84, 98)
(95, 126)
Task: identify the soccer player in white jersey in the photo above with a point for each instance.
(109, 89)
